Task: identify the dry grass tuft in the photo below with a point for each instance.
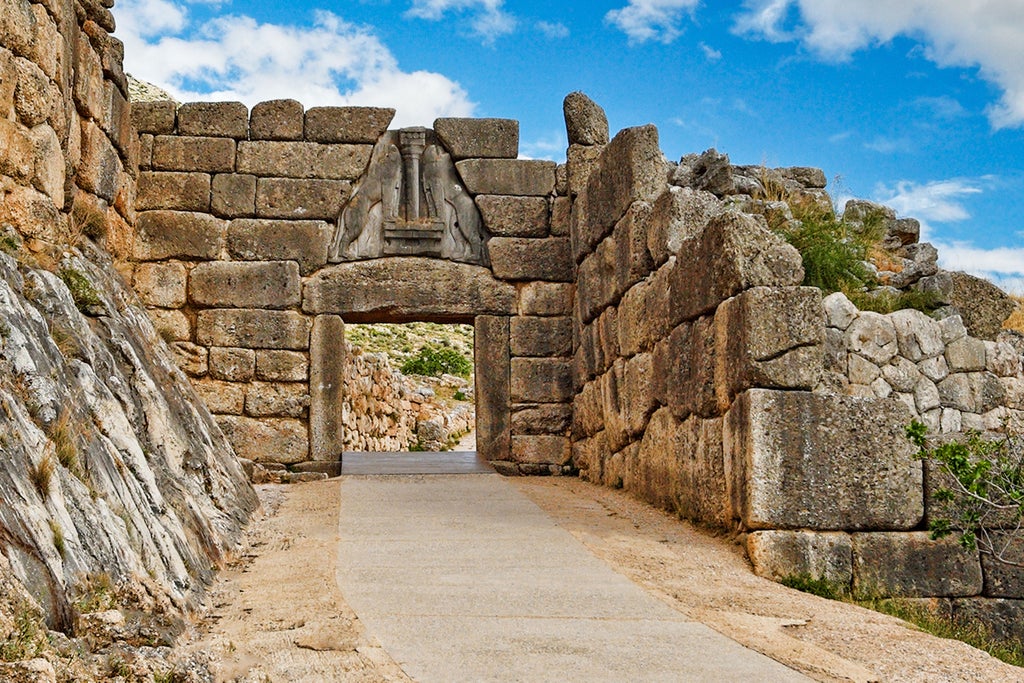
(1016, 320)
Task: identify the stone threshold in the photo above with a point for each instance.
(417, 462)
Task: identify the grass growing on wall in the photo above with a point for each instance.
(1016, 320)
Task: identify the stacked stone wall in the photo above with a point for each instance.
(238, 213)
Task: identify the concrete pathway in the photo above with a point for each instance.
(462, 578)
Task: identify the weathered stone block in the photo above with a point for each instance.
(1004, 579)
(281, 366)
(232, 364)
(303, 160)
(839, 310)
(631, 168)
(520, 177)
(171, 325)
(176, 234)
(541, 449)
(801, 460)
(633, 262)
(826, 556)
(155, 118)
(191, 358)
(532, 336)
(972, 392)
(637, 398)
(206, 154)
(280, 440)
(589, 456)
(352, 125)
(1002, 359)
(271, 399)
(301, 199)
(588, 411)
(733, 253)
(88, 80)
(913, 565)
(596, 281)
(514, 216)
(561, 210)
(540, 380)
(233, 195)
(769, 337)
(479, 138)
(966, 354)
(161, 284)
(145, 152)
(276, 120)
(1004, 617)
(585, 121)
(545, 298)
(678, 214)
(873, 336)
(402, 289)
(224, 398)
(581, 160)
(492, 375)
(616, 426)
(918, 336)
(32, 214)
(253, 329)
(173, 190)
(328, 359)
(214, 119)
(521, 258)
(550, 418)
(265, 284)
(100, 166)
(279, 240)
(685, 370)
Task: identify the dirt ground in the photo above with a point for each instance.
(278, 615)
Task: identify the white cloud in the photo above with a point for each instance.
(1003, 265)
(551, 148)
(553, 29)
(488, 19)
(988, 35)
(710, 53)
(330, 62)
(886, 145)
(942, 107)
(643, 20)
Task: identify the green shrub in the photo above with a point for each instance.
(983, 488)
(436, 361)
(28, 639)
(926, 302)
(832, 253)
(81, 289)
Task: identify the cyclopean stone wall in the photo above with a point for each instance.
(260, 232)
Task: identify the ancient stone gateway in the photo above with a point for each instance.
(260, 237)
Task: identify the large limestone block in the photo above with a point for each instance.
(731, 254)
(771, 338)
(917, 336)
(873, 336)
(303, 160)
(233, 365)
(101, 165)
(279, 240)
(966, 354)
(549, 418)
(589, 457)
(588, 411)
(276, 120)
(350, 125)
(519, 177)
(155, 118)
(913, 565)
(271, 399)
(524, 258)
(540, 380)
(1005, 617)
(685, 369)
(581, 160)
(233, 195)
(534, 336)
(279, 440)
(253, 329)
(596, 281)
(301, 199)
(479, 138)
(282, 366)
(633, 262)
(406, 288)
(1004, 579)
(545, 298)
(819, 555)
(178, 234)
(839, 310)
(982, 305)
(264, 284)
(679, 213)
(801, 460)
(514, 216)
(161, 284)
(492, 381)
(585, 120)
(972, 392)
(637, 397)
(32, 214)
(201, 154)
(631, 168)
(328, 360)
(173, 190)
(214, 119)
(223, 398)
(541, 449)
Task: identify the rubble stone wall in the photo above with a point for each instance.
(237, 217)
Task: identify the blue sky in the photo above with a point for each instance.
(915, 103)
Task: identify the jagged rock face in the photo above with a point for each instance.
(142, 484)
